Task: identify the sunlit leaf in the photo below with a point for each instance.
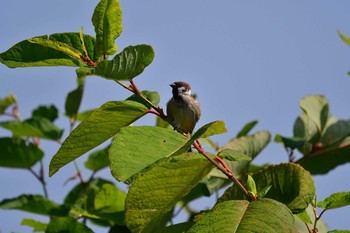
(263, 216)
(36, 225)
(336, 200)
(6, 102)
(101, 125)
(153, 194)
(107, 20)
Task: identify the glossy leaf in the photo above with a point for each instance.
(135, 148)
(243, 216)
(336, 200)
(34, 204)
(17, 153)
(67, 225)
(316, 107)
(107, 20)
(6, 102)
(152, 96)
(101, 125)
(97, 160)
(153, 194)
(27, 54)
(36, 225)
(291, 185)
(126, 65)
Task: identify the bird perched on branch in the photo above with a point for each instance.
(183, 111)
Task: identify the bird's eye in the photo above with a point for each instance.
(182, 89)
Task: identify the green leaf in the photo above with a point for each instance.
(135, 148)
(36, 225)
(304, 217)
(339, 231)
(152, 96)
(67, 225)
(126, 65)
(262, 193)
(316, 107)
(246, 129)
(180, 227)
(243, 216)
(305, 128)
(251, 186)
(27, 54)
(153, 194)
(59, 46)
(232, 155)
(328, 158)
(34, 204)
(344, 38)
(85, 114)
(97, 160)
(212, 128)
(335, 131)
(101, 125)
(291, 185)
(290, 142)
(17, 153)
(100, 200)
(73, 99)
(107, 20)
(49, 112)
(336, 200)
(6, 102)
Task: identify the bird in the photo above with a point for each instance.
(183, 111)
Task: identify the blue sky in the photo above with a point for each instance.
(246, 60)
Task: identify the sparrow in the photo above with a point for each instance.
(183, 111)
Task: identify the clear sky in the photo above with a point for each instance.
(246, 60)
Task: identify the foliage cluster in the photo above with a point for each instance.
(154, 160)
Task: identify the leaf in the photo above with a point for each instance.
(344, 38)
(246, 129)
(59, 46)
(291, 185)
(36, 225)
(305, 128)
(49, 112)
(107, 20)
(126, 65)
(17, 153)
(212, 128)
(336, 200)
(263, 216)
(304, 217)
(180, 227)
(67, 225)
(73, 99)
(316, 107)
(232, 155)
(27, 54)
(97, 160)
(135, 148)
(251, 186)
(326, 159)
(101, 125)
(34, 204)
(153, 194)
(6, 102)
(152, 96)
(335, 131)
(290, 142)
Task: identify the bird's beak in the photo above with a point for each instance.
(172, 85)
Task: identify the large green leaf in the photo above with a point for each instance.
(67, 225)
(135, 148)
(317, 108)
(27, 54)
(101, 125)
(336, 200)
(17, 153)
(107, 20)
(34, 204)
(126, 65)
(153, 194)
(291, 185)
(263, 216)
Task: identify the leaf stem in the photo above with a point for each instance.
(222, 167)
